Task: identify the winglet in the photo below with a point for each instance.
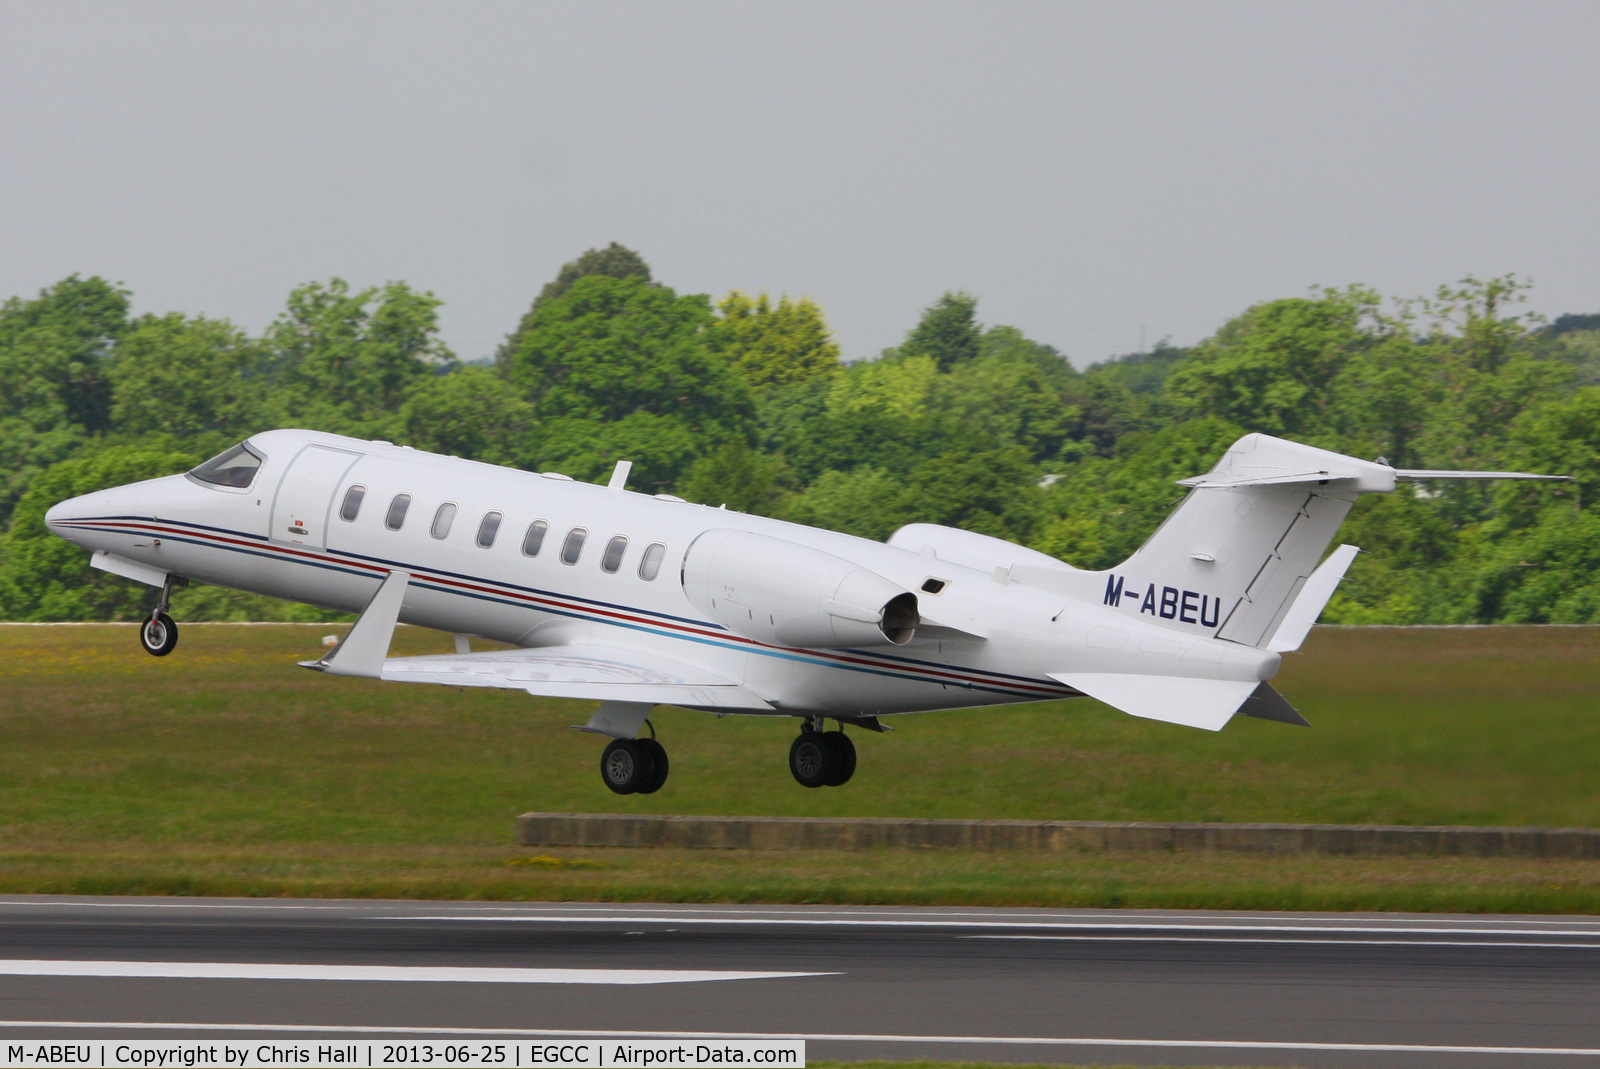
(1310, 602)
(363, 650)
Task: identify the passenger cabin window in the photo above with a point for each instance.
(534, 538)
(443, 519)
(236, 468)
(397, 511)
(352, 503)
(611, 560)
(572, 548)
(488, 529)
(650, 563)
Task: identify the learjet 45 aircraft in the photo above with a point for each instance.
(636, 600)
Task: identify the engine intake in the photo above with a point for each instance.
(777, 591)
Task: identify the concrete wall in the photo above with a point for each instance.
(862, 833)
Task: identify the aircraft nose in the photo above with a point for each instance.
(59, 513)
(60, 518)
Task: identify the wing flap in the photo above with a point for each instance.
(597, 673)
(1198, 703)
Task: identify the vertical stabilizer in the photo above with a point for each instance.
(1237, 559)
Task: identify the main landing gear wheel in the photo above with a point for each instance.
(658, 763)
(844, 757)
(158, 635)
(822, 758)
(634, 766)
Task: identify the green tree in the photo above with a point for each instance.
(1271, 368)
(773, 345)
(739, 477)
(1015, 393)
(55, 354)
(868, 502)
(184, 376)
(347, 361)
(613, 261)
(619, 369)
(948, 332)
(60, 345)
(469, 413)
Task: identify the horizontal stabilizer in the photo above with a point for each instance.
(1313, 598)
(1267, 704)
(1418, 474)
(1196, 703)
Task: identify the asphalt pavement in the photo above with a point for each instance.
(1079, 986)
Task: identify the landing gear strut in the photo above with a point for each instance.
(634, 766)
(821, 758)
(159, 634)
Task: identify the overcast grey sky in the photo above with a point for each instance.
(1094, 172)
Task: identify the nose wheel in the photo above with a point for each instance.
(820, 758)
(159, 634)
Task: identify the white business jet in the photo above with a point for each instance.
(637, 601)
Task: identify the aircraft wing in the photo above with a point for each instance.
(577, 671)
(597, 673)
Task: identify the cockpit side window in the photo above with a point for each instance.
(235, 468)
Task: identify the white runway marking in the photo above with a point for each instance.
(817, 1037)
(187, 970)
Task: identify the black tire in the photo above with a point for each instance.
(844, 757)
(158, 635)
(625, 766)
(658, 765)
(811, 759)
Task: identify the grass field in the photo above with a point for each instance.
(225, 769)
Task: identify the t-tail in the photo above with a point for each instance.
(1242, 561)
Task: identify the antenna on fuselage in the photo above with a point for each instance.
(619, 475)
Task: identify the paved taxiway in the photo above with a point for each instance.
(949, 984)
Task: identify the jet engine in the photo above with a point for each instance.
(981, 552)
(777, 591)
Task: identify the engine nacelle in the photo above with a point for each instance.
(777, 591)
(970, 550)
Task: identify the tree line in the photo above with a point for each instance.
(745, 402)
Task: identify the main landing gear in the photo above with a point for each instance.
(821, 758)
(159, 634)
(634, 766)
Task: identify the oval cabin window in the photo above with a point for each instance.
(612, 558)
(488, 529)
(534, 538)
(352, 503)
(650, 563)
(397, 512)
(572, 548)
(442, 520)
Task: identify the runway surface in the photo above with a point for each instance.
(1082, 986)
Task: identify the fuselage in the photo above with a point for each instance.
(539, 560)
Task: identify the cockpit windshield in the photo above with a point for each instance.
(235, 468)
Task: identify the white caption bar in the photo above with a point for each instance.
(334, 1054)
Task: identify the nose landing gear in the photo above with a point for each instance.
(159, 634)
(820, 758)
